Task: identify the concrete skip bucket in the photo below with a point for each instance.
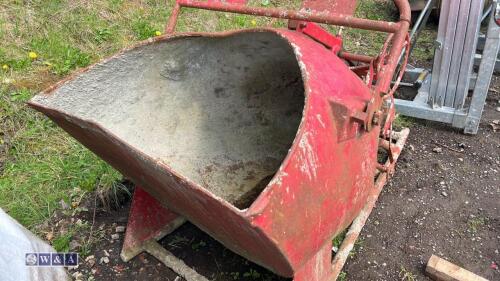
(266, 139)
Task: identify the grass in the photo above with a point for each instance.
(40, 165)
(61, 243)
(425, 45)
(365, 41)
(81, 232)
(402, 121)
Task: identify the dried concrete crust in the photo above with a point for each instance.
(222, 112)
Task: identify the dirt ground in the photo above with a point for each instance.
(444, 203)
(444, 199)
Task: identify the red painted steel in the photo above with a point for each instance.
(315, 194)
(302, 15)
(317, 33)
(147, 220)
(325, 179)
(346, 7)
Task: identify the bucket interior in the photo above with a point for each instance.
(220, 111)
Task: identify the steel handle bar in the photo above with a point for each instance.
(327, 18)
(400, 29)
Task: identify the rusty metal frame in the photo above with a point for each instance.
(398, 29)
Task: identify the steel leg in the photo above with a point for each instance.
(148, 221)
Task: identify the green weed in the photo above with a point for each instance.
(143, 29)
(406, 275)
(61, 243)
(337, 241)
(403, 122)
(252, 274)
(198, 245)
(342, 276)
(475, 223)
(20, 95)
(102, 35)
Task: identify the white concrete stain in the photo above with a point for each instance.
(278, 179)
(318, 116)
(309, 160)
(302, 65)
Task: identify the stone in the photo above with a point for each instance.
(120, 229)
(74, 245)
(437, 149)
(90, 260)
(49, 236)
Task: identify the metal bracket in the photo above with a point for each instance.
(317, 33)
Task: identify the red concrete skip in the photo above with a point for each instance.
(320, 187)
(281, 230)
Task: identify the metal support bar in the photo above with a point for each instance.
(486, 69)
(420, 23)
(464, 68)
(443, 53)
(424, 111)
(172, 262)
(479, 57)
(335, 19)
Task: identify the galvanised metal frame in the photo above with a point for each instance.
(442, 96)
